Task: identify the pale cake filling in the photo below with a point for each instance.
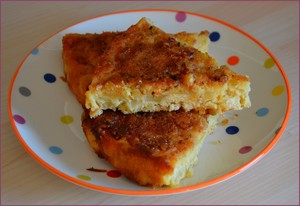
(130, 99)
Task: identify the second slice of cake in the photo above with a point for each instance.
(148, 70)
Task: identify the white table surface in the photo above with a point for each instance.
(273, 180)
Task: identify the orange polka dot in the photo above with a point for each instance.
(233, 60)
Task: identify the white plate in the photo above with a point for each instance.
(46, 116)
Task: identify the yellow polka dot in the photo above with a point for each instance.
(84, 177)
(269, 63)
(276, 91)
(66, 119)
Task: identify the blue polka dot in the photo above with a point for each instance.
(35, 51)
(50, 78)
(262, 112)
(214, 36)
(55, 150)
(232, 130)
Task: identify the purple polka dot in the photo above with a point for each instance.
(50, 78)
(232, 130)
(19, 119)
(245, 149)
(180, 16)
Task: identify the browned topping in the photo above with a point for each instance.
(154, 133)
(147, 54)
(152, 62)
(86, 49)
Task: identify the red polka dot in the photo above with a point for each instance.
(233, 60)
(113, 173)
(245, 149)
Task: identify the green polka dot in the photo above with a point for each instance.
(269, 63)
(278, 90)
(66, 119)
(84, 177)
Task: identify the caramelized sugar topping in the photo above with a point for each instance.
(87, 49)
(154, 133)
(146, 53)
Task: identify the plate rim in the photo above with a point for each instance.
(154, 192)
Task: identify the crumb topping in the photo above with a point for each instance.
(154, 133)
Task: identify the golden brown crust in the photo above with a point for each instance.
(152, 133)
(81, 54)
(146, 53)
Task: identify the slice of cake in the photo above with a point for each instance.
(148, 70)
(151, 148)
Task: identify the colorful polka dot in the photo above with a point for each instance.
(278, 90)
(84, 177)
(269, 63)
(66, 119)
(262, 112)
(180, 16)
(19, 119)
(55, 150)
(233, 60)
(232, 130)
(113, 173)
(245, 149)
(214, 36)
(24, 91)
(35, 51)
(50, 78)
